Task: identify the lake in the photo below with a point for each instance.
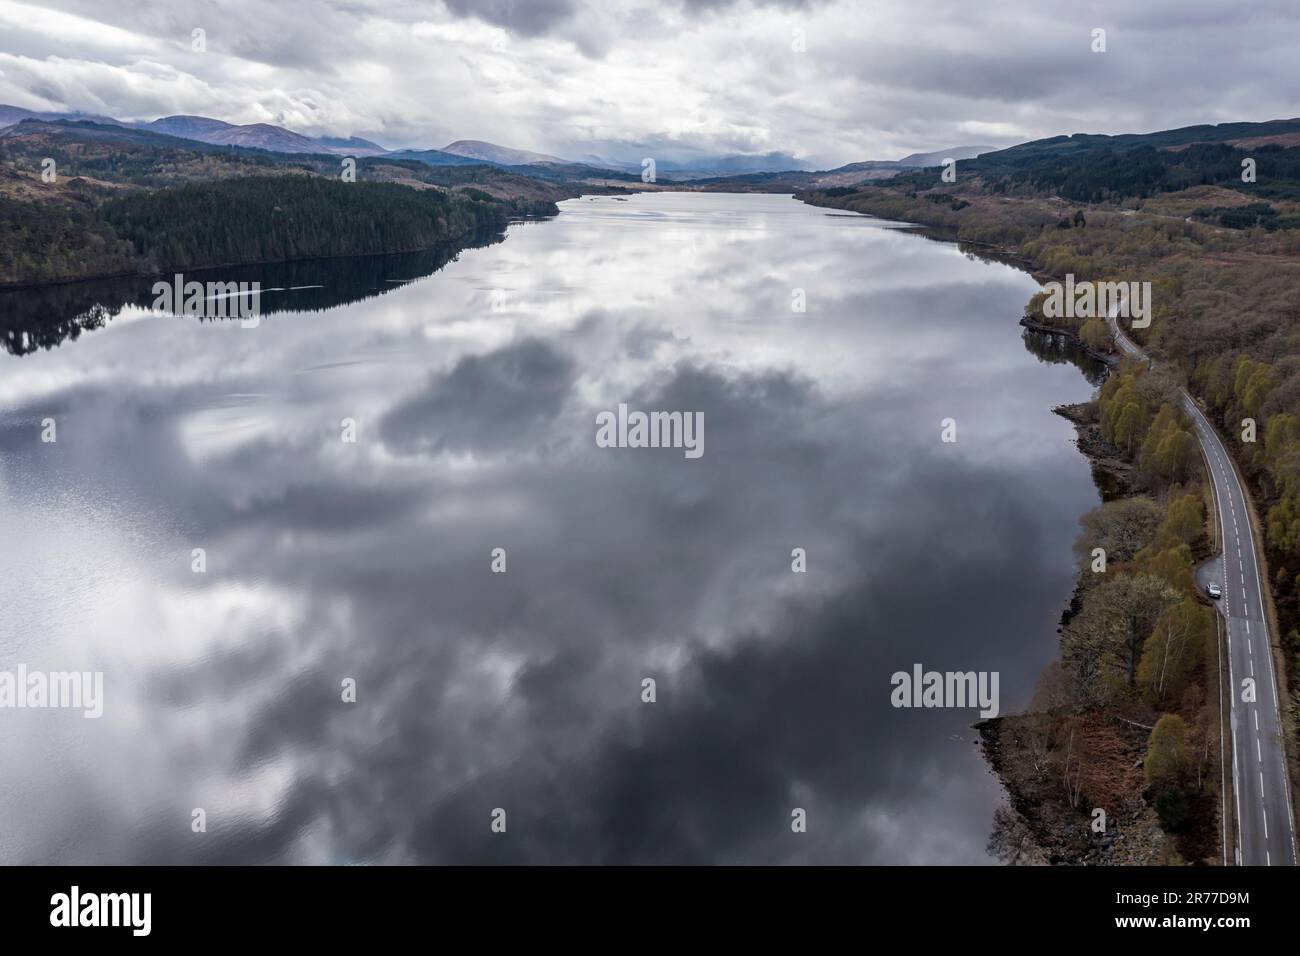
(240, 527)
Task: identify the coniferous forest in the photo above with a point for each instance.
(274, 218)
(125, 202)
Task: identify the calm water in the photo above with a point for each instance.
(475, 429)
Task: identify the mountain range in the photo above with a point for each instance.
(278, 139)
(215, 132)
(922, 160)
(111, 173)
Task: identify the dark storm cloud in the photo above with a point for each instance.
(796, 715)
(724, 5)
(484, 402)
(711, 772)
(222, 675)
(522, 690)
(525, 17)
(310, 34)
(675, 79)
(996, 74)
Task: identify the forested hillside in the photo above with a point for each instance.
(1227, 323)
(1222, 254)
(272, 218)
(1098, 169)
(52, 241)
(79, 200)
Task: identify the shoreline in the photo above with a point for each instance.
(458, 243)
(1106, 358)
(1037, 824)
(1100, 454)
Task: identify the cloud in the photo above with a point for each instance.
(522, 690)
(524, 17)
(485, 403)
(632, 76)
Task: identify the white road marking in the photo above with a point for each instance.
(1214, 448)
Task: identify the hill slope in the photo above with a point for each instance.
(501, 155)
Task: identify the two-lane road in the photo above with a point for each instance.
(1261, 792)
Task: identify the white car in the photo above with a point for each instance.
(1213, 590)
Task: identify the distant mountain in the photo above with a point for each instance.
(85, 131)
(215, 132)
(351, 146)
(937, 158)
(600, 162)
(501, 155)
(434, 157)
(737, 164)
(16, 114)
(276, 139)
(704, 166)
(779, 177)
(189, 127)
(1091, 167)
(1281, 132)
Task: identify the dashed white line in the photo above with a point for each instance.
(1215, 450)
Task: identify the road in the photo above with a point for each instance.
(1261, 791)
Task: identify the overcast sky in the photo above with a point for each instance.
(627, 78)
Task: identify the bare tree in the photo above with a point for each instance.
(1011, 840)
